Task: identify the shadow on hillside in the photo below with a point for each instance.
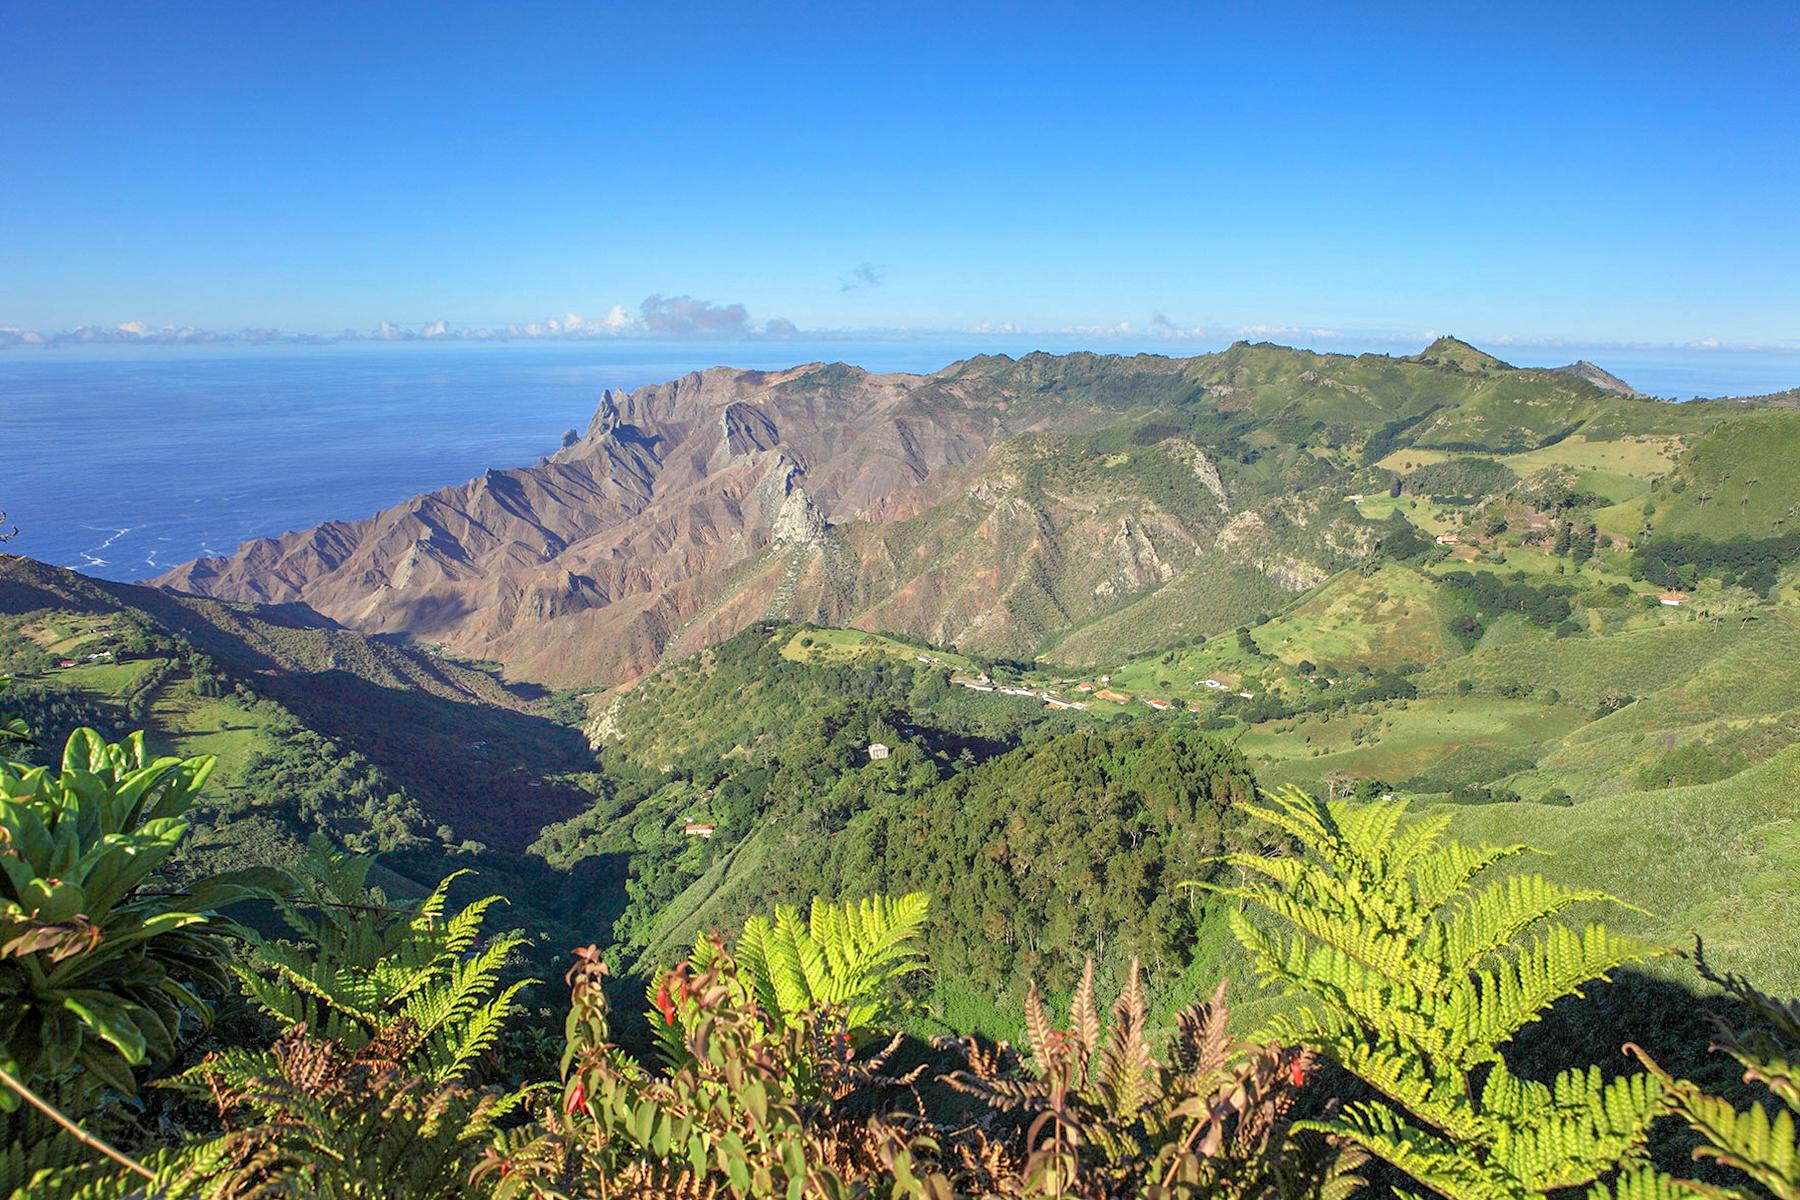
(1673, 1022)
(475, 766)
(478, 767)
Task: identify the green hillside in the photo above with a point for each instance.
(1736, 481)
(1718, 859)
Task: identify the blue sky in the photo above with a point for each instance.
(1591, 172)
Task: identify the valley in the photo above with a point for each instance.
(636, 686)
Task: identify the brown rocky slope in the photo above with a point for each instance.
(996, 504)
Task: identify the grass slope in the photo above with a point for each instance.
(1738, 480)
(1717, 859)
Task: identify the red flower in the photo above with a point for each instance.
(665, 1004)
(576, 1097)
(1297, 1073)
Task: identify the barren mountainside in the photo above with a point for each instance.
(1003, 505)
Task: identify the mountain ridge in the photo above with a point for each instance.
(997, 501)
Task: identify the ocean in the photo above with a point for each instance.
(124, 463)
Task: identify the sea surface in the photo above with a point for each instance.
(125, 463)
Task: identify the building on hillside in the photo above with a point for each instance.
(697, 829)
(1158, 705)
(877, 751)
(1448, 539)
(1671, 599)
(1084, 687)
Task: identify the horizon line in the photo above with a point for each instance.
(573, 329)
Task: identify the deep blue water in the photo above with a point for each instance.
(123, 464)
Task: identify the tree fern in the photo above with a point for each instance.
(846, 955)
(1414, 967)
(363, 967)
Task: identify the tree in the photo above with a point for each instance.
(1565, 533)
(1412, 971)
(1584, 543)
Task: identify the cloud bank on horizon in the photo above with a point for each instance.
(683, 317)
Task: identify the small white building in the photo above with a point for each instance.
(877, 751)
(697, 829)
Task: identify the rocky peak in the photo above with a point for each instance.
(1600, 377)
(799, 523)
(606, 417)
(1454, 352)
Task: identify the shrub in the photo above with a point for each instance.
(98, 958)
(101, 958)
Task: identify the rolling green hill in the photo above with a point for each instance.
(1736, 481)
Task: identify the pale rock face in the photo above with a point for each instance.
(1293, 574)
(1134, 562)
(1246, 528)
(1204, 469)
(799, 523)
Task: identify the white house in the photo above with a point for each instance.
(877, 751)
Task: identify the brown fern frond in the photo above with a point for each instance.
(1084, 1020)
(1128, 1073)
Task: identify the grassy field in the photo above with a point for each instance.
(1718, 859)
(1640, 458)
(191, 725)
(1383, 619)
(845, 644)
(1220, 659)
(106, 680)
(1399, 740)
(1737, 480)
(1584, 670)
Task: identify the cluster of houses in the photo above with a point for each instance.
(102, 656)
(981, 683)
